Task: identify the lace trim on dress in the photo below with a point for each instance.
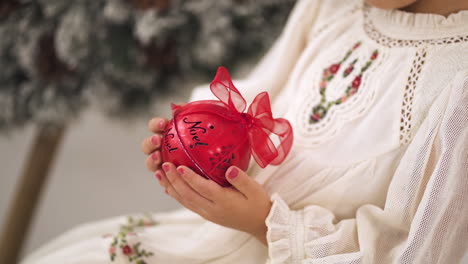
(418, 62)
(386, 41)
(408, 98)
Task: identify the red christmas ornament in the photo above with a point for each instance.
(209, 136)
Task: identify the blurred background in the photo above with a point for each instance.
(79, 81)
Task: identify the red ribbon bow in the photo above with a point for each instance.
(259, 119)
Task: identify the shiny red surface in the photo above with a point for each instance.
(206, 142)
(210, 136)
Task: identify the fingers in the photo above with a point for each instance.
(242, 182)
(150, 144)
(164, 182)
(207, 188)
(189, 197)
(157, 124)
(153, 161)
(171, 191)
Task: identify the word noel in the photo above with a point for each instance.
(194, 129)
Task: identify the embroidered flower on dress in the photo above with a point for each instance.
(321, 110)
(133, 252)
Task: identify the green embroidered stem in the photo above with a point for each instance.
(133, 251)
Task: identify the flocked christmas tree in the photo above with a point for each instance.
(56, 55)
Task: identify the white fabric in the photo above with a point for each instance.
(383, 178)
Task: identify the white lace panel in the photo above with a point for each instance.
(327, 125)
(386, 41)
(408, 97)
(417, 65)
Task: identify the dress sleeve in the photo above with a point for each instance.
(425, 217)
(272, 72)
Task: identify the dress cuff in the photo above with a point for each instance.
(285, 234)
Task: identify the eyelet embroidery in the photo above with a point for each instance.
(373, 33)
(381, 39)
(408, 97)
(319, 111)
(406, 122)
(133, 252)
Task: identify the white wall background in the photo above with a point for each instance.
(99, 172)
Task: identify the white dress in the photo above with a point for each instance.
(378, 172)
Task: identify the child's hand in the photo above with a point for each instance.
(244, 207)
(152, 144)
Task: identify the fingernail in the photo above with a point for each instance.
(180, 170)
(166, 167)
(155, 156)
(233, 173)
(158, 175)
(155, 140)
(161, 124)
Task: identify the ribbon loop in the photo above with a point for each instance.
(263, 124)
(223, 88)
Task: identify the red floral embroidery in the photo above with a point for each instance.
(334, 68)
(348, 70)
(356, 82)
(132, 251)
(127, 250)
(320, 110)
(112, 250)
(356, 45)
